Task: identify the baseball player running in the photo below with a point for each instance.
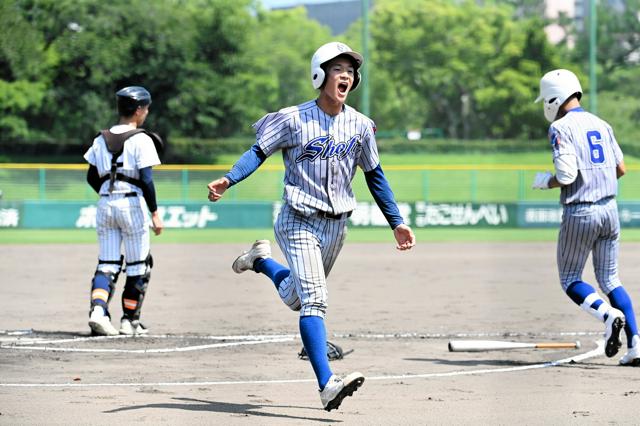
(120, 162)
(322, 142)
(588, 162)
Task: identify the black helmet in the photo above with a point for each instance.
(130, 98)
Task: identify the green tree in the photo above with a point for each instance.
(280, 48)
(205, 103)
(525, 8)
(618, 37)
(24, 72)
(475, 68)
(186, 52)
(618, 57)
(394, 105)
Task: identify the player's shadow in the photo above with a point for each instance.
(192, 404)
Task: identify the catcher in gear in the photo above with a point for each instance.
(120, 171)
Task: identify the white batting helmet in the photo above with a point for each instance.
(555, 88)
(327, 52)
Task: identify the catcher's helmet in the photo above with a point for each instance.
(327, 52)
(130, 98)
(555, 88)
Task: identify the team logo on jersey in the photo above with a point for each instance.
(326, 147)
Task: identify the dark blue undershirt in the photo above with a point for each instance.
(246, 164)
(382, 194)
(148, 188)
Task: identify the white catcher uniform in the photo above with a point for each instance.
(121, 217)
(320, 154)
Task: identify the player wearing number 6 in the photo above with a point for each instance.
(588, 163)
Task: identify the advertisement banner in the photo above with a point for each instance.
(10, 215)
(68, 215)
(464, 214)
(549, 215)
(45, 214)
(629, 213)
(539, 215)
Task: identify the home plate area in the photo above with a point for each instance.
(34, 340)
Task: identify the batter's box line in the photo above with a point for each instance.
(145, 351)
(21, 337)
(598, 351)
(25, 341)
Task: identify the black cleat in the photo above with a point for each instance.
(614, 325)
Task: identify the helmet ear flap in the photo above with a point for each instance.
(551, 108)
(356, 80)
(317, 77)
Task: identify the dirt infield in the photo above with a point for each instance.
(222, 348)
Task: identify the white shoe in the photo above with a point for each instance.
(613, 326)
(338, 389)
(259, 250)
(632, 357)
(132, 328)
(101, 324)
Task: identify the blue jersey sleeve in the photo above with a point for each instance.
(381, 191)
(246, 164)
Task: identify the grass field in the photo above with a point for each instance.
(436, 178)
(356, 235)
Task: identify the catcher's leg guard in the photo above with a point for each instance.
(134, 291)
(104, 283)
(132, 297)
(102, 287)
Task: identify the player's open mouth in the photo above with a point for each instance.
(342, 88)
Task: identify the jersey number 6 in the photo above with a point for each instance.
(595, 147)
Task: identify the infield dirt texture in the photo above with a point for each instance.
(223, 348)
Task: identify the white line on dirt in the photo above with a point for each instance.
(25, 341)
(146, 351)
(581, 357)
(38, 343)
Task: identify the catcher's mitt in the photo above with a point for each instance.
(334, 352)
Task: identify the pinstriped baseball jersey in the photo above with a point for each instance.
(320, 154)
(591, 140)
(122, 220)
(590, 223)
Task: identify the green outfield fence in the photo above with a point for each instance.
(187, 183)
